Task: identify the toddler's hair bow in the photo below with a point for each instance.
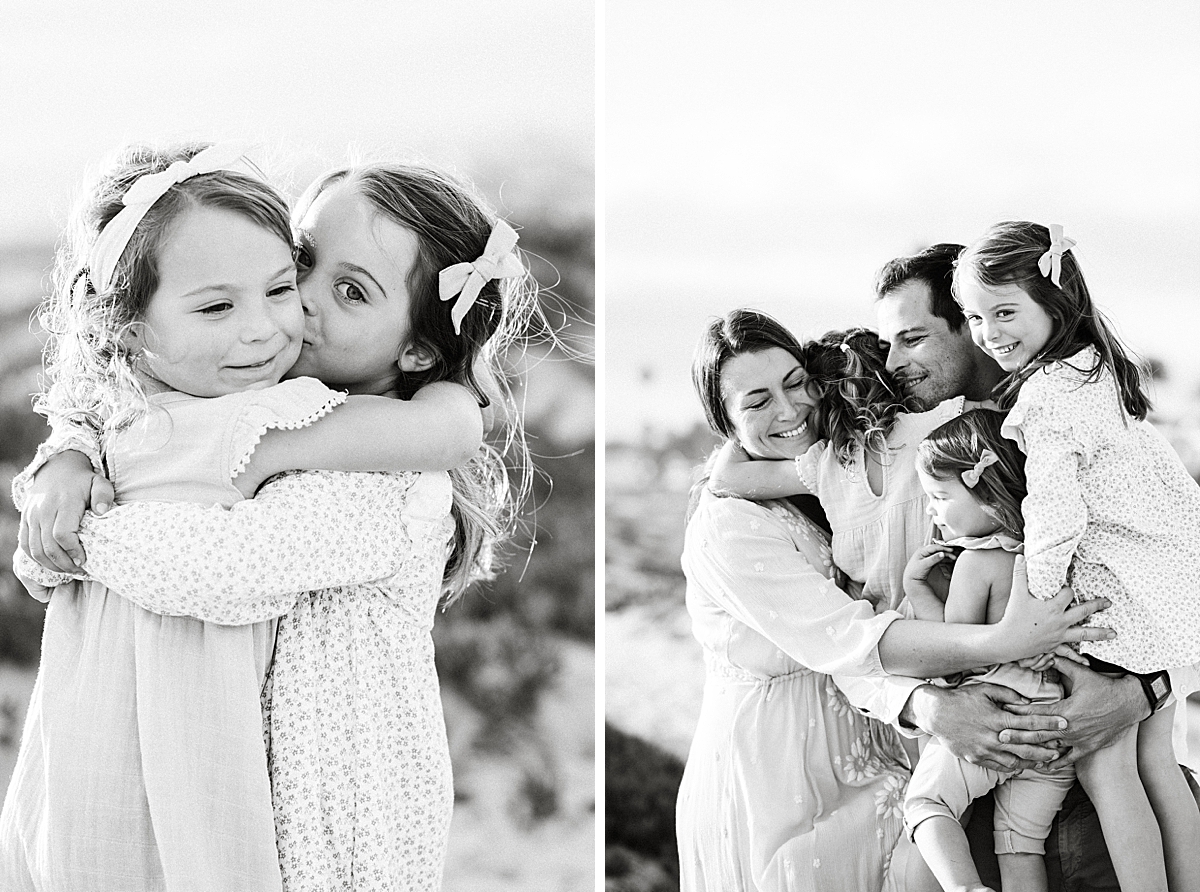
(1050, 263)
(148, 189)
(970, 476)
(465, 280)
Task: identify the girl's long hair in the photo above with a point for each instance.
(452, 223)
(956, 446)
(858, 399)
(89, 369)
(1008, 254)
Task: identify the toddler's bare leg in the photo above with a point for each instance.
(1131, 833)
(1171, 799)
(1024, 871)
(944, 846)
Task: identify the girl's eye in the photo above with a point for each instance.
(303, 258)
(973, 320)
(350, 292)
(1003, 314)
(216, 309)
(283, 290)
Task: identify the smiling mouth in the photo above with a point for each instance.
(1005, 350)
(788, 435)
(253, 366)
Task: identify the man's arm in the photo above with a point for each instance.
(1096, 709)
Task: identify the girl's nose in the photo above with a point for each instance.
(259, 322)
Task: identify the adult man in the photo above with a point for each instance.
(931, 352)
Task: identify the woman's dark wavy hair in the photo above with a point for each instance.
(858, 399)
(738, 332)
(955, 447)
(1008, 254)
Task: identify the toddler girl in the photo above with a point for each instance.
(1110, 509)
(975, 481)
(364, 768)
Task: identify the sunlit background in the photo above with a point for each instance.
(502, 94)
(775, 155)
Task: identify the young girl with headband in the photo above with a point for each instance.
(358, 763)
(1110, 510)
(975, 481)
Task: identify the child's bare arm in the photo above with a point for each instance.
(979, 577)
(440, 428)
(735, 473)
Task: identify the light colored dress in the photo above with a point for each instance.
(1111, 510)
(875, 535)
(142, 763)
(787, 787)
(358, 757)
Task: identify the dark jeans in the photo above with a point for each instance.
(1076, 857)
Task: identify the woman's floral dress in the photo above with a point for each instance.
(787, 786)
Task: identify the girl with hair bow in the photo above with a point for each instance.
(975, 482)
(356, 771)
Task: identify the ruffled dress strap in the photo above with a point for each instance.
(1003, 541)
(808, 466)
(190, 449)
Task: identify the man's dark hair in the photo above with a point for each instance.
(935, 267)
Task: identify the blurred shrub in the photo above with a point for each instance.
(499, 667)
(641, 784)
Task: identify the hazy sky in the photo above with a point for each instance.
(776, 154)
(507, 87)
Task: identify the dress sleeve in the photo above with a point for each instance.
(880, 697)
(304, 531)
(288, 405)
(745, 558)
(1055, 512)
(64, 437)
(808, 466)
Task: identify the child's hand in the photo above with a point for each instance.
(1042, 662)
(59, 493)
(933, 558)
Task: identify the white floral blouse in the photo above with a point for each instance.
(1112, 511)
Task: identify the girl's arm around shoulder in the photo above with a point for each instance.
(440, 428)
(735, 473)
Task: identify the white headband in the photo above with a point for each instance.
(148, 189)
(465, 280)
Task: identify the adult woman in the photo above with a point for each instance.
(787, 786)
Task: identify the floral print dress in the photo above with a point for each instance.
(358, 761)
(787, 786)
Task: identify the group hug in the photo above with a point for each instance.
(946, 578)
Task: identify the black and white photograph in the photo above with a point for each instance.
(902, 426)
(297, 446)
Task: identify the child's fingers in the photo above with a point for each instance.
(1069, 653)
(102, 494)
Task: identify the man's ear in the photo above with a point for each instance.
(415, 358)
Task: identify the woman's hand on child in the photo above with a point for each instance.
(1031, 626)
(59, 493)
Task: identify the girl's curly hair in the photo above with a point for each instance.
(858, 399)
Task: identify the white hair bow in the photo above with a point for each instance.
(1050, 263)
(465, 280)
(148, 189)
(970, 477)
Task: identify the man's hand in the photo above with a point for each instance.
(1097, 710)
(59, 493)
(970, 721)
